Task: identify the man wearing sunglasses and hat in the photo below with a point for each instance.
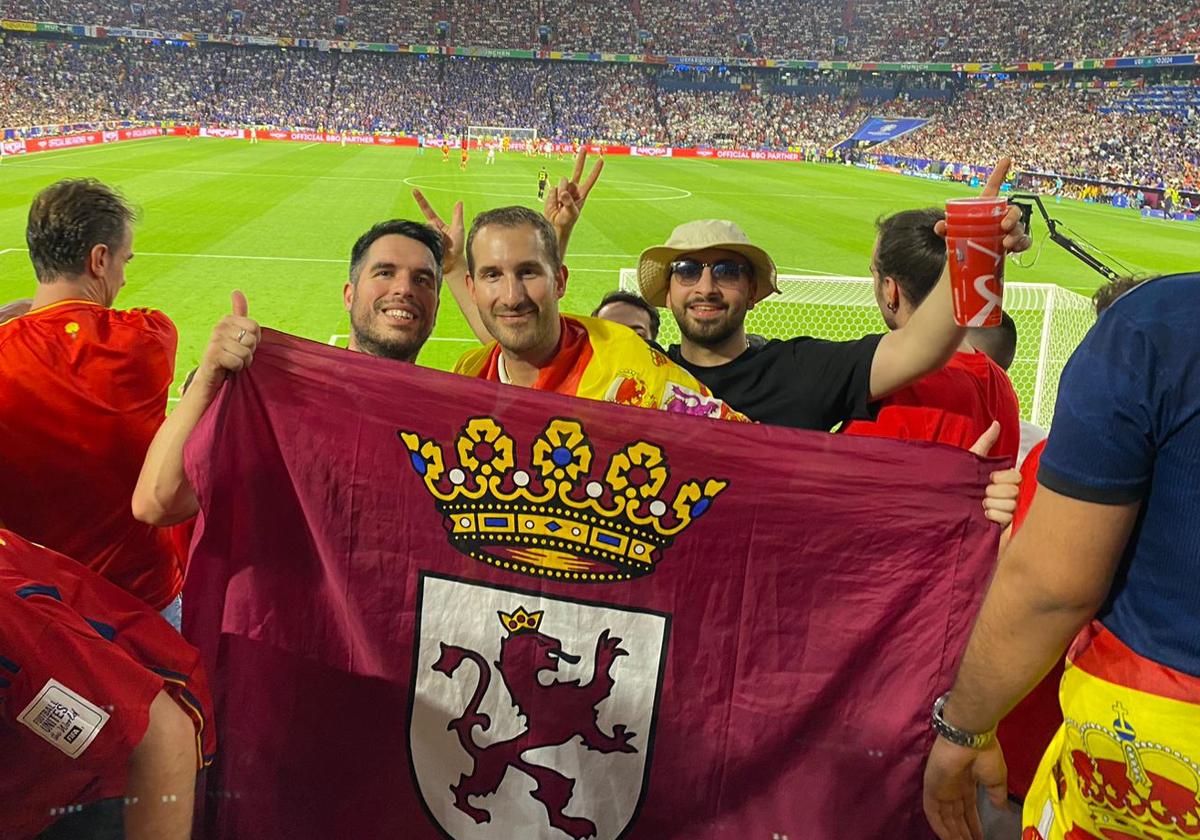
(710, 275)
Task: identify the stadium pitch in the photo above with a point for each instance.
(277, 220)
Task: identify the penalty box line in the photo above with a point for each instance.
(336, 337)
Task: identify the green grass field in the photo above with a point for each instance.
(277, 220)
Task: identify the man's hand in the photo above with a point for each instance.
(164, 494)
(231, 347)
(564, 202)
(1000, 500)
(454, 235)
(1016, 239)
(951, 775)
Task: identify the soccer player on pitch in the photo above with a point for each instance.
(543, 180)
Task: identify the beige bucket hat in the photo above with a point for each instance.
(654, 266)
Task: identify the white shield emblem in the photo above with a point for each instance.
(532, 716)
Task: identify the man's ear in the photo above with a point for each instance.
(98, 259)
(560, 282)
(891, 293)
(348, 295)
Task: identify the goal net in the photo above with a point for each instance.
(1051, 321)
(480, 135)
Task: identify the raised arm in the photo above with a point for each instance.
(928, 341)
(564, 202)
(454, 261)
(163, 495)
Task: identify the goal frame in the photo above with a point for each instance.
(476, 132)
(1051, 321)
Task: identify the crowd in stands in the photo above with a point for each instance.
(967, 30)
(1063, 130)
(1087, 133)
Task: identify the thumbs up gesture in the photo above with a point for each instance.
(231, 347)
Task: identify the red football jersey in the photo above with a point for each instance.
(83, 389)
(1028, 490)
(954, 405)
(80, 663)
(1027, 730)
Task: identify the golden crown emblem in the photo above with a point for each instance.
(521, 621)
(1143, 789)
(554, 520)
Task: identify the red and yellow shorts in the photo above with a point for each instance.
(1125, 765)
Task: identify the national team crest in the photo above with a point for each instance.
(532, 716)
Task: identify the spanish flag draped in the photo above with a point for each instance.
(1124, 765)
(600, 360)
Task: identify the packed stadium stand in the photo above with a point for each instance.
(1132, 128)
(867, 30)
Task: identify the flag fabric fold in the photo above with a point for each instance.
(432, 606)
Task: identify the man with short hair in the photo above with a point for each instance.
(83, 389)
(622, 307)
(710, 275)
(953, 405)
(999, 342)
(390, 315)
(391, 293)
(516, 277)
(1105, 565)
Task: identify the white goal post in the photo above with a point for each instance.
(477, 135)
(1051, 321)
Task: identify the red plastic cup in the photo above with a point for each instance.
(975, 250)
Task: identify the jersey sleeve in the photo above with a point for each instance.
(835, 376)
(1101, 446)
(69, 693)
(1028, 489)
(142, 367)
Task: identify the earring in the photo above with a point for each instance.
(892, 307)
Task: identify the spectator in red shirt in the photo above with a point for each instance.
(83, 388)
(954, 405)
(104, 709)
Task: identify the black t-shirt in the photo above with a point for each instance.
(804, 383)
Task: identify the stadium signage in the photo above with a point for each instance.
(89, 138)
(650, 151)
(755, 154)
(215, 131)
(69, 140)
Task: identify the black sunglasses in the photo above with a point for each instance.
(726, 273)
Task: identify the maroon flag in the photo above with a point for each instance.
(433, 607)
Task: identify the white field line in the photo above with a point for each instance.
(257, 257)
(24, 160)
(336, 337)
(170, 255)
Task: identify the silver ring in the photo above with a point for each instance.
(240, 336)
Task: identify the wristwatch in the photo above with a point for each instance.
(970, 740)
